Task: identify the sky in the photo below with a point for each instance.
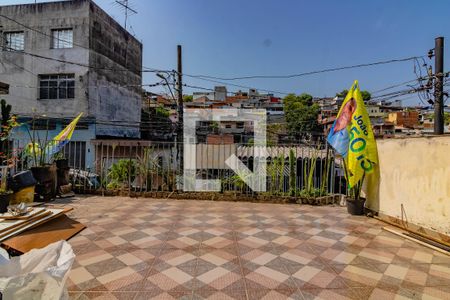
(233, 38)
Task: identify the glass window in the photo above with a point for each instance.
(14, 41)
(61, 86)
(62, 38)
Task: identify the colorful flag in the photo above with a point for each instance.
(59, 141)
(352, 137)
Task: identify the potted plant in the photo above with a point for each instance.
(5, 193)
(43, 171)
(122, 174)
(8, 122)
(61, 161)
(355, 203)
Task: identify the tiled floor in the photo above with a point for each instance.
(168, 249)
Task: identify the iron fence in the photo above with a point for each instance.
(145, 166)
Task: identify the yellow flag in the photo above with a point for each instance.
(59, 141)
(352, 137)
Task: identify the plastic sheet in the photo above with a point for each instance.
(38, 274)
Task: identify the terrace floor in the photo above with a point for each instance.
(166, 249)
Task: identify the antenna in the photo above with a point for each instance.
(127, 7)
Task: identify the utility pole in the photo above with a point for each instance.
(180, 139)
(439, 86)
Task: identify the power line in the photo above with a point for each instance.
(237, 85)
(308, 73)
(395, 85)
(66, 41)
(11, 50)
(207, 89)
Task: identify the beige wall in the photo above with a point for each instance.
(415, 181)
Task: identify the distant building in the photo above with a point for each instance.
(383, 130)
(406, 119)
(219, 94)
(219, 139)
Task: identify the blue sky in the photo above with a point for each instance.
(229, 38)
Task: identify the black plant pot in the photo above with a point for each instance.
(62, 163)
(4, 202)
(44, 173)
(46, 182)
(355, 208)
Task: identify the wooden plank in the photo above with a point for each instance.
(60, 228)
(25, 223)
(29, 224)
(32, 212)
(8, 225)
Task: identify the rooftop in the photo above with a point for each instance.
(147, 248)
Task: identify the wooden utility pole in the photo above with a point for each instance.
(180, 139)
(439, 86)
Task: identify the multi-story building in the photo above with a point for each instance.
(66, 57)
(406, 119)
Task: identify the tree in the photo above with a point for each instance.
(342, 94)
(188, 98)
(365, 95)
(301, 115)
(446, 118)
(162, 112)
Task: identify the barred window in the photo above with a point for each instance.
(59, 86)
(14, 41)
(62, 38)
(43, 124)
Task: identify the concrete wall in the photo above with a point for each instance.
(115, 96)
(117, 109)
(415, 181)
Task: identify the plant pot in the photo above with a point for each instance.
(62, 163)
(4, 201)
(44, 173)
(355, 208)
(46, 182)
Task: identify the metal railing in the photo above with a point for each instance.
(144, 166)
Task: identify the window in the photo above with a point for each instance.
(14, 41)
(43, 124)
(80, 125)
(62, 38)
(76, 153)
(60, 86)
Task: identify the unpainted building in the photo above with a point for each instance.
(62, 58)
(66, 57)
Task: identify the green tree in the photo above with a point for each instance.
(342, 94)
(446, 118)
(188, 98)
(301, 115)
(162, 112)
(365, 95)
